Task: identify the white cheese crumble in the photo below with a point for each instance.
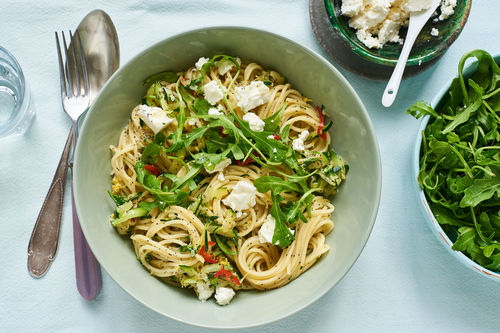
(220, 166)
(202, 61)
(204, 291)
(214, 112)
(271, 136)
(224, 66)
(253, 95)
(224, 295)
(447, 9)
(213, 93)
(266, 231)
(298, 144)
(156, 118)
(191, 121)
(242, 197)
(434, 32)
(221, 177)
(256, 124)
(378, 21)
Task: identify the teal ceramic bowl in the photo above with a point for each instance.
(353, 137)
(446, 239)
(426, 47)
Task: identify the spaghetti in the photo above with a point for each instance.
(222, 177)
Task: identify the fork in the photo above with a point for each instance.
(44, 239)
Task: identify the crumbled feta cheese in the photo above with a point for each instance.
(224, 65)
(221, 177)
(418, 5)
(214, 112)
(156, 118)
(447, 9)
(204, 291)
(202, 61)
(191, 121)
(298, 144)
(224, 295)
(256, 124)
(242, 197)
(271, 136)
(275, 150)
(266, 231)
(253, 95)
(434, 32)
(351, 7)
(213, 93)
(220, 166)
(378, 21)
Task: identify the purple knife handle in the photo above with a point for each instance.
(88, 271)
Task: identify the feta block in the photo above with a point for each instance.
(204, 290)
(256, 124)
(154, 117)
(224, 66)
(214, 112)
(224, 295)
(213, 92)
(220, 166)
(253, 95)
(242, 197)
(202, 61)
(434, 32)
(266, 231)
(298, 144)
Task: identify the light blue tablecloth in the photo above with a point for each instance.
(403, 281)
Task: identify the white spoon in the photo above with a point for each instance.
(417, 22)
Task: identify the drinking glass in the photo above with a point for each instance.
(15, 97)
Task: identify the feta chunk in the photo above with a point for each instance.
(256, 124)
(251, 96)
(224, 295)
(214, 112)
(156, 118)
(434, 32)
(298, 144)
(242, 197)
(213, 93)
(220, 166)
(447, 9)
(191, 121)
(224, 66)
(204, 291)
(221, 177)
(351, 7)
(266, 231)
(418, 5)
(202, 61)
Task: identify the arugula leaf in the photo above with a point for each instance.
(282, 234)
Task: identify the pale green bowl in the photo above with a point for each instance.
(353, 137)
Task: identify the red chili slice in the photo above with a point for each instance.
(221, 133)
(226, 274)
(276, 137)
(208, 257)
(154, 170)
(321, 134)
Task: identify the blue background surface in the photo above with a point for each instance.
(403, 281)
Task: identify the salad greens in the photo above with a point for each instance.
(460, 160)
(226, 136)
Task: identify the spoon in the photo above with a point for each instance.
(417, 21)
(102, 54)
